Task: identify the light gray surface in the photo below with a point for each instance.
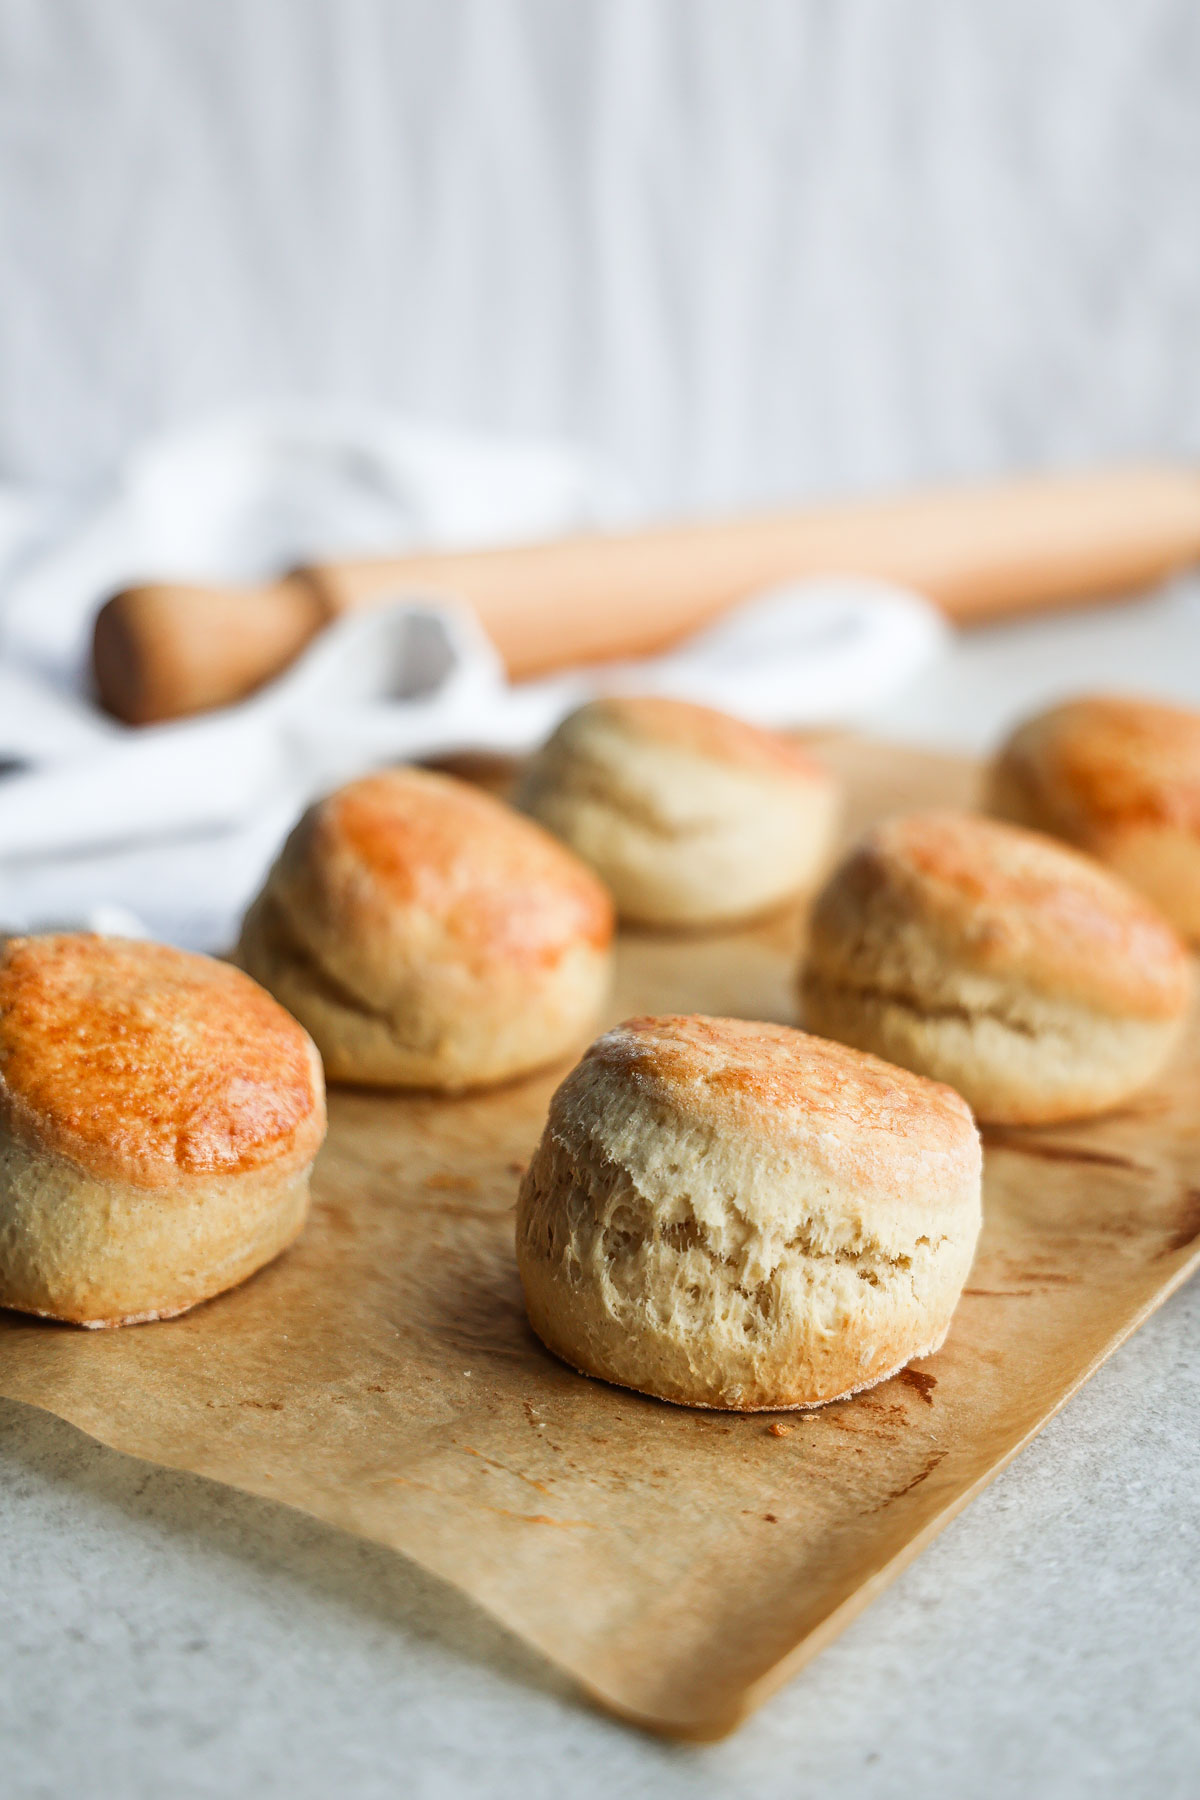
(161, 1633)
(994, 677)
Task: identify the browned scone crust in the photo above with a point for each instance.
(429, 936)
(708, 732)
(738, 1215)
(992, 958)
(1120, 778)
(691, 817)
(159, 1116)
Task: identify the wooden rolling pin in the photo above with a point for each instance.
(167, 650)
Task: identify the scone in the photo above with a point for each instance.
(429, 936)
(690, 817)
(1026, 976)
(1121, 779)
(159, 1116)
(737, 1215)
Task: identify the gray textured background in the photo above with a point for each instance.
(745, 247)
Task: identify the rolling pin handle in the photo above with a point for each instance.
(166, 650)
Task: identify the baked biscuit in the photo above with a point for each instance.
(1001, 962)
(159, 1116)
(1120, 779)
(690, 817)
(736, 1215)
(429, 936)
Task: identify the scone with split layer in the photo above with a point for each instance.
(736, 1215)
(994, 959)
(1120, 778)
(429, 936)
(690, 817)
(159, 1116)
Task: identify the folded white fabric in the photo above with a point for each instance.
(265, 488)
(169, 829)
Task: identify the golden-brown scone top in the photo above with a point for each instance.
(1001, 902)
(409, 842)
(753, 1076)
(430, 936)
(690, 817)
(147, 1064)
(732, 1214)
(1120, 778)
(1109, 761)
(705, 732)
(1032, 980)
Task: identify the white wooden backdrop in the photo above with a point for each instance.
(745, 247)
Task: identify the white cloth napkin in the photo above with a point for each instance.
(168, 830)
(256, 491)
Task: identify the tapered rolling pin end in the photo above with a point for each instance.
(167, 650)
(979, 553)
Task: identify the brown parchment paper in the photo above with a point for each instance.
(679, 1564)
